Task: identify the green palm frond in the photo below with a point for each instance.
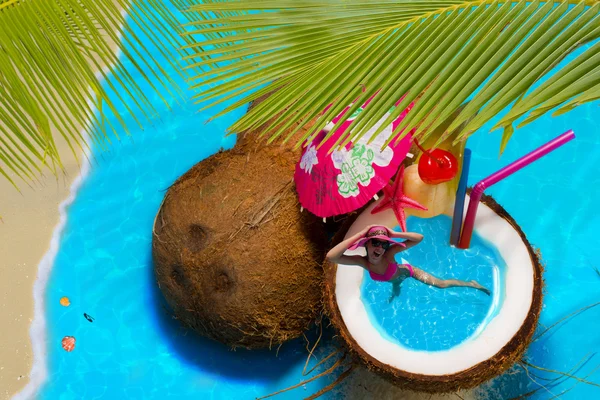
(481, 55)
(51, 58)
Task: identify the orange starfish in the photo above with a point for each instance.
(395, 199)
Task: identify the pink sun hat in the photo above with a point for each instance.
(379, 232)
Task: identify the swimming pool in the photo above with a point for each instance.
(133, 349)
(430, 319)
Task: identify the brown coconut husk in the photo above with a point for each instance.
(234, 257)
(504, 359)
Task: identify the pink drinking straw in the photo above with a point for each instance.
(467, 231)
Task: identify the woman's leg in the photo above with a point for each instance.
(431, 280)
(395, 289)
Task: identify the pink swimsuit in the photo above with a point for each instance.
(389, 272)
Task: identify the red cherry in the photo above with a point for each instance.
(436, 166)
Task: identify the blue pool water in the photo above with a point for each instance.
(133, 349)
(425, 318)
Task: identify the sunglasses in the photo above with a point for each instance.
(380, 243)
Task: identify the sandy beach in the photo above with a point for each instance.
(29, 219)
(28, 222)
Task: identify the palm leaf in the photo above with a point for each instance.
(52, 54)
(473, 58)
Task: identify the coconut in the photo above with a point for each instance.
(498, 345)
(234, 257)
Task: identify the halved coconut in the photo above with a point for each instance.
(494, 349)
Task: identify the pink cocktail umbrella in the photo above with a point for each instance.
(345, 180)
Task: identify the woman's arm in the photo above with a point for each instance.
(410, 236)
(412, 239)
(336, 254)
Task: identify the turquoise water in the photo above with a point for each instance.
(555, 201)
(133, 349)
(425, 318)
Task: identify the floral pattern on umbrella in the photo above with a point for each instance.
(358, 169)
(324, 181)
(309, 158)
(343, 180)
(355, 172)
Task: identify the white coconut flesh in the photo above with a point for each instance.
(484, 344)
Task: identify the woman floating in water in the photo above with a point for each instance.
(380, 261)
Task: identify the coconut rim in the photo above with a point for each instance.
(507, 347)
